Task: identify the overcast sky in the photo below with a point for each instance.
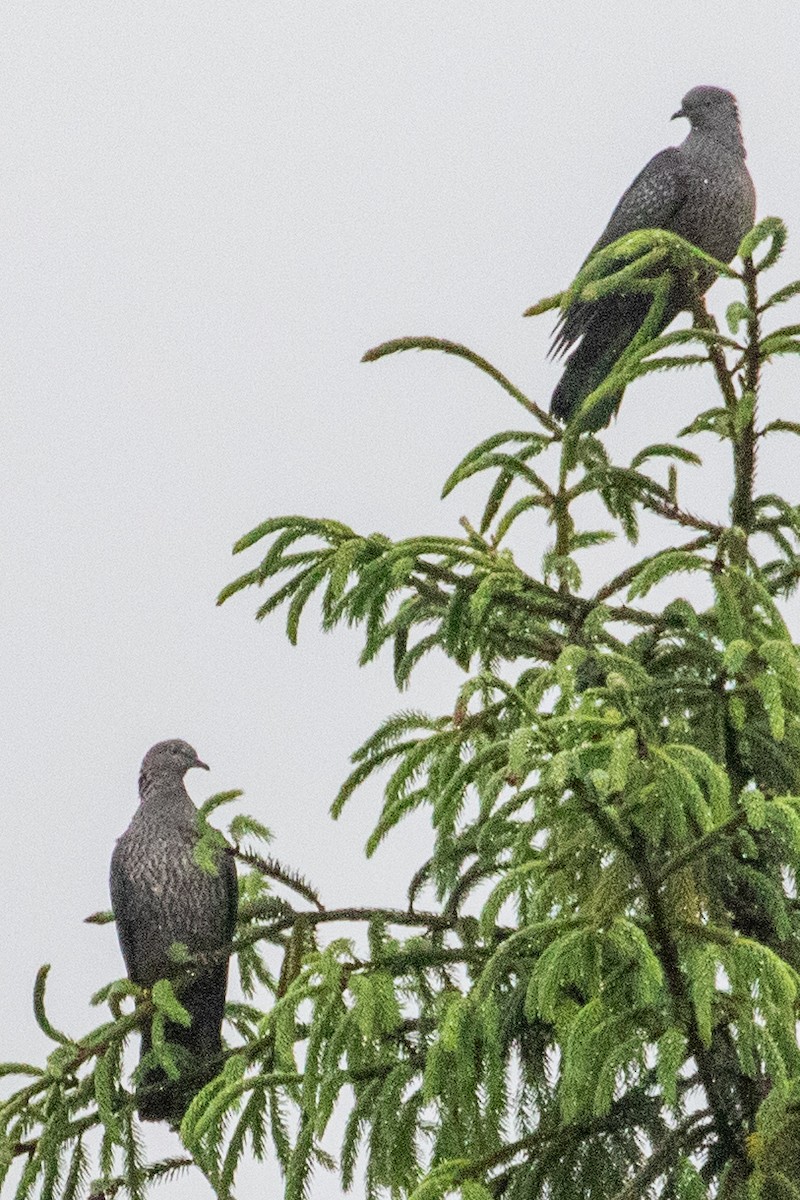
(210, 211)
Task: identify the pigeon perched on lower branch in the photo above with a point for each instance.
(162, 896)
(700, 190)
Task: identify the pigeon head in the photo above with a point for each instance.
(170, 759)
(709, 108)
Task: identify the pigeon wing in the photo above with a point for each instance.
(653, 201)
(122, 905)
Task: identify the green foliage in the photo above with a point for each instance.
(594, 988)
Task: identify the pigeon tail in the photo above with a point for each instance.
(159, 1098)
(612, 328)
(573, 388)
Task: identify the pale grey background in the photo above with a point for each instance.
(210, 210)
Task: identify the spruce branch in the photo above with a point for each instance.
(730, 1137)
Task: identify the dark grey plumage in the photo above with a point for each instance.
(701, 190)
(160, 896)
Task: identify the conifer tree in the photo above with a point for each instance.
(593, 991)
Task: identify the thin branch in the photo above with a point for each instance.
(274, 870)
(674, 1144)
(629, 574)
(110, 1187)
(703, 320)
(700, 848)
(448, 347)
(745, 438)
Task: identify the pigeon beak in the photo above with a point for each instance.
(197, 763)
(679, 113)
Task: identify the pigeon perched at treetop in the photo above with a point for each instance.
(161, 896)
(701, 190)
